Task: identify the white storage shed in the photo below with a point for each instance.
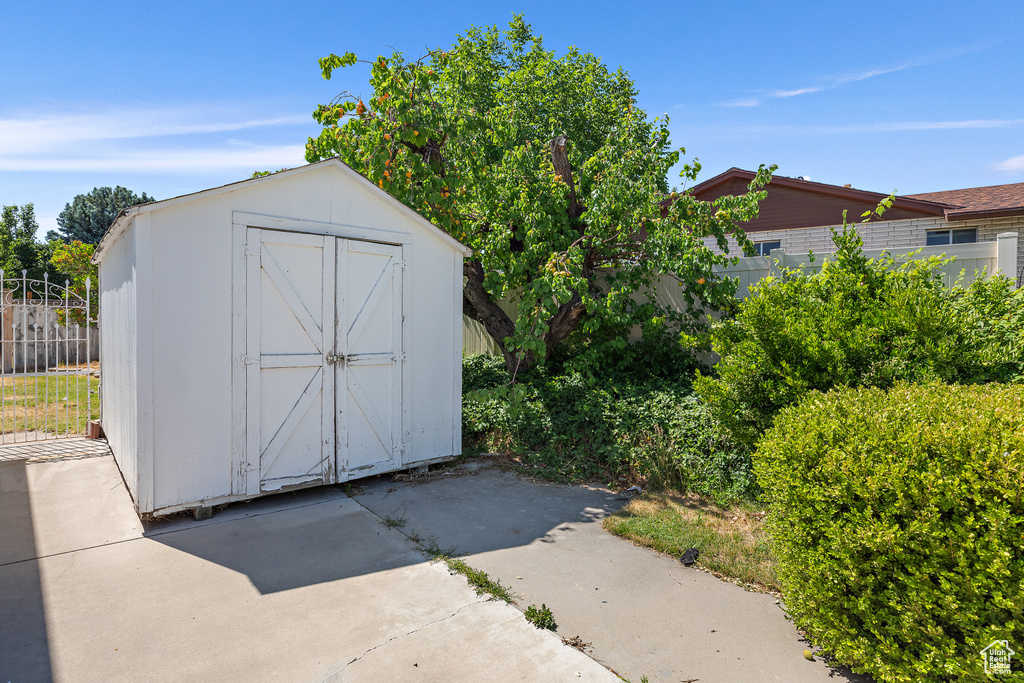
(297, 329)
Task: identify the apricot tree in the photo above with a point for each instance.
(547, 169)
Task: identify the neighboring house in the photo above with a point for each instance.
(797, 214)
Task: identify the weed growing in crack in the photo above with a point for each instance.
(353, 490)
(432, 550)
(475, 577)
(392, 521)
(541, 617)
(480, 581)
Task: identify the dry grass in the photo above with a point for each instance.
(732, 541)
(48, 404)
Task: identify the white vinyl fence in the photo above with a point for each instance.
(971, 260)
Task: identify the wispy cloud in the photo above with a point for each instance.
(187, 159)
(892, 126)
(748, 102)
(794, 93)
(810, 130)
(837, 80)
(174, 139)
(23, 135)
(1011, 165)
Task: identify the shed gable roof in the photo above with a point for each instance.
(125, 217)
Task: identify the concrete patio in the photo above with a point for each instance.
(296, 587)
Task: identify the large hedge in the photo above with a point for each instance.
(898, 523)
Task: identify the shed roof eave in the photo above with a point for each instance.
(123, 219)
(438, 232)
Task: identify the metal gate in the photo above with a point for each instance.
(49, 360)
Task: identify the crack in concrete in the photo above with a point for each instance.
(71, 564)
(401, 635)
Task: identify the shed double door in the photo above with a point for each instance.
(323, 359)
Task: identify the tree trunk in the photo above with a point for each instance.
(477, 304)
(564, 322)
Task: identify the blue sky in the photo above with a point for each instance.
(174, 97)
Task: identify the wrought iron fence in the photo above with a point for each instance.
(49, 359)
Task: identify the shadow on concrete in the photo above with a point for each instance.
(492, 510)
(302, 538)
(25, 652)
(291, 540)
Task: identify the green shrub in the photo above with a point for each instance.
(994, 310)
(481, 371)
(608, 354)
(578, 426)
(859, 322)
(897, 524)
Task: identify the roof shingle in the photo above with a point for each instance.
(978, 201)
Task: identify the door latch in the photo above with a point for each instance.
(336, 358)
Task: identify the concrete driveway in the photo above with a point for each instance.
(308, 586)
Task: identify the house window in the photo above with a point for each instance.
(961, 236)
(764, 248)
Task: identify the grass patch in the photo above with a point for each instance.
(732, 540)
(53, 404)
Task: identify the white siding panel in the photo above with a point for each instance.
(144, 380)
(118, 356)
(429, 350)
(456, 342)
(192, 352)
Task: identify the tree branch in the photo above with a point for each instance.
(560, 160)
(564, 321)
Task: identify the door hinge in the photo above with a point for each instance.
(251, 360)
(249, 251)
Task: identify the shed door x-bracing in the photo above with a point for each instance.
(323, 359)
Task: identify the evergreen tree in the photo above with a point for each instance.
(88, 216)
